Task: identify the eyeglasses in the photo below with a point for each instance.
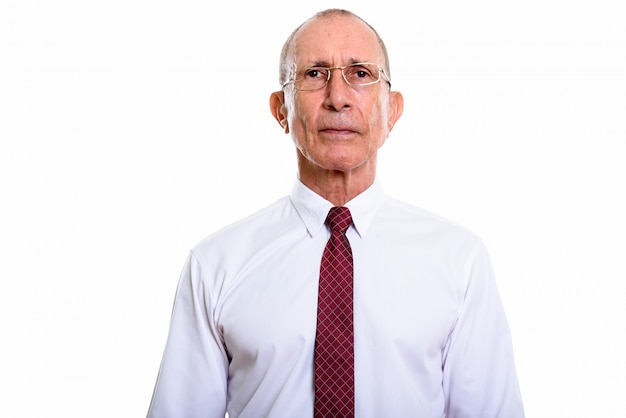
(315, 78)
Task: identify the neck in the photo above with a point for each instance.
(338, 187)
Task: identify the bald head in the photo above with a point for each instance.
(287, 56)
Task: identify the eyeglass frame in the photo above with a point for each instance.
(293, 72)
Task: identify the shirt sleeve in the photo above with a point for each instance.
(479, 377)
(192, 380)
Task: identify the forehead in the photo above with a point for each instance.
(336, 40)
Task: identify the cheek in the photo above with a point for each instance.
(379, 122)
(298, 130)
(300, 121)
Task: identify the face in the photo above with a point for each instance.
(339, 127)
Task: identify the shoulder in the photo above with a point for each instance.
(417, 229)
(411, 216)
(251, 230)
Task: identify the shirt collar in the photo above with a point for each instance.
(313, 208)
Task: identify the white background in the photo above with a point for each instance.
(130, 129)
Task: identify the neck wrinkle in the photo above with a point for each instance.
(337, 187)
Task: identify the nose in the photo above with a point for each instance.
(337, 91)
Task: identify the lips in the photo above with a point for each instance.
(338, 129)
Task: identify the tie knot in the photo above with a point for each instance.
(339, 219)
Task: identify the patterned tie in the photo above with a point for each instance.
(334, 341)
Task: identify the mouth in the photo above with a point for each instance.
(337, 130)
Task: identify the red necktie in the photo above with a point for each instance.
(334, 341)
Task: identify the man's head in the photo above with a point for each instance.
(337, 127)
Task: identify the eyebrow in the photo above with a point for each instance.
(326, 64)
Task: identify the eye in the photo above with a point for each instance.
(360, 74)
(316, 73)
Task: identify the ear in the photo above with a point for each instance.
(396, 107)
(279, 111)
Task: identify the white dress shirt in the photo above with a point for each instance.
(431, 337)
